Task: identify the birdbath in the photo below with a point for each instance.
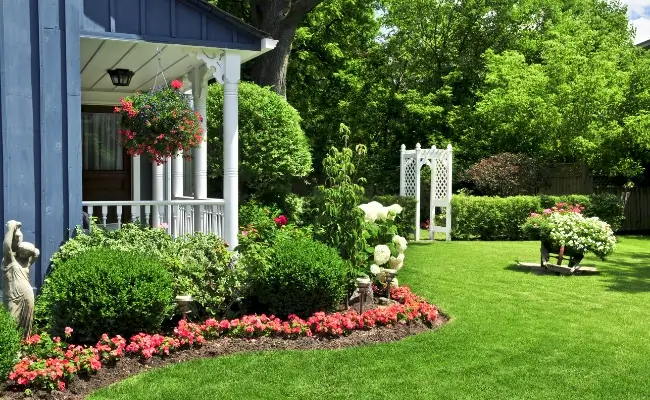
(363, 284)
(184, 303)
(390, 274)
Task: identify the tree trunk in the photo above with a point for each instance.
(270, 69)
(279, 18)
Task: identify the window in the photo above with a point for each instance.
(102, 150)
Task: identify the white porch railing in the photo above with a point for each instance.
(179, 217)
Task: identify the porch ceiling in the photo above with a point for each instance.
(98, 56)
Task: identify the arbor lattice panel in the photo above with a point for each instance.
(439, 162)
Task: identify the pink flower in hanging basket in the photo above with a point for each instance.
(164, 121)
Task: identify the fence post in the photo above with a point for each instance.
(417, 191)
(402, 172)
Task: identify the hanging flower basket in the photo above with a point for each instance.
(159, 123)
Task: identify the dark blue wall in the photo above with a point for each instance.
(40, 115)
(168, 21)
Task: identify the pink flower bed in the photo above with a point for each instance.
(49, 363)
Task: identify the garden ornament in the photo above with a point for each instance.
(18, 257)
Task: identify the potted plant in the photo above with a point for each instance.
(159, 123)
(565, 231)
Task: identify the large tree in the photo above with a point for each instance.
(279, 18)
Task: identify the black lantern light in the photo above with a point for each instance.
(120, 77)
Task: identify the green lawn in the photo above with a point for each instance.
(514, 335)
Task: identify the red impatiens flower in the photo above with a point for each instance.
(57, 370)
(281, 220)
(176, 84)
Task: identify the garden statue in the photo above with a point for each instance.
(18, 257)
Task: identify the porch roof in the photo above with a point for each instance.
(133, 34)
(184, 22)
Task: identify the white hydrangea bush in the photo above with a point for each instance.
(386, 247)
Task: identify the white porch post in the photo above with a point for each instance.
(199, 80)
(231, 74)
(158, 192)
(177, 175)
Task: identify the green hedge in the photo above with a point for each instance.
(10, 338)
(500, 218)
(104, 290)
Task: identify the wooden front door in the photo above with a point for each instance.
(106, 166)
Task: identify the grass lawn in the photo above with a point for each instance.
(514, 335)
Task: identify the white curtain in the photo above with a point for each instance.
(102, 150)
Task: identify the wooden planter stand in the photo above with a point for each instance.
(560, 254)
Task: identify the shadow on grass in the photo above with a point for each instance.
(630, 273)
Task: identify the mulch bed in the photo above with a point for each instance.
(82, 386)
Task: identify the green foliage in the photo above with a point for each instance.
(199, 264)
(406, 220)
(340, 221)
(273, 148)
(104, 290)
(205, 269)
(501, 218)
(255, 213)
(491, 218)
(10, 339)
(305, 276)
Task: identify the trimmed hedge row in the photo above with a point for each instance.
(500, 218)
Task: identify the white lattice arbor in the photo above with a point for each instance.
(439, 162)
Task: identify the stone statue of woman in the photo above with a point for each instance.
(18, 257)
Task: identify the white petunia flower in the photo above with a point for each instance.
(400, 243)
(382, 254)
(394, 283)
(374, 269)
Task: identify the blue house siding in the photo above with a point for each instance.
(40, 104)
(190, 22)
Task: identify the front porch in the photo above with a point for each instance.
(172, 195)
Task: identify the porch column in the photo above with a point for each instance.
(158, 192)
(199, 80)
(231, 74)
(177, 175)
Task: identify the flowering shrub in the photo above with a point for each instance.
(159, 123)
(564, 225)
(385, 247)
(507, 174)
(51, 364)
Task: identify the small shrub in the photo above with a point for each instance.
(10, 338)
(274, 149)
(204, 268)
(339, 223)
(105, 290)
(256, 214)
(507, 174)
(305, 276)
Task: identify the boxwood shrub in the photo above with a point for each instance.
(10, 338)
(304, 276)
(500, 218)
(103, 290)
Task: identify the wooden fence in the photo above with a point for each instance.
(576, 179)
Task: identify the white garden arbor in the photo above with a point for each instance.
(439, 162)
